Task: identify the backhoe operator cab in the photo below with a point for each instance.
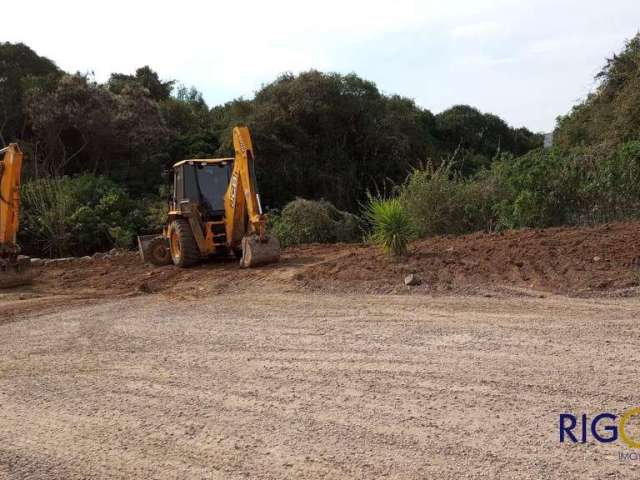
(202, 181)
(214, 210)
(199, 187)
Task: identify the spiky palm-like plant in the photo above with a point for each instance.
(391, 225)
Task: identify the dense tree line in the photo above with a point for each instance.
(325, 135)
(96, 153)
(318, 135)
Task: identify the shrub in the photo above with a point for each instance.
(536, 190)
(611, 187)
(439, 201)
(155, 216)
(308, 221)
(347, 227)
(122, 238)
(46, 210)
(81, 215)
(391, 224)
(581, 185)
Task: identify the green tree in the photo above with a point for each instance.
(187, 114)
(147, 78)
(611, 114)
(326, 135)
(79, 126)
(18, 65)
(476, 138)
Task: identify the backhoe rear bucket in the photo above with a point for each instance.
(14, 273)
(256, 252)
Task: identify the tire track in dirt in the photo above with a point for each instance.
(300, 385)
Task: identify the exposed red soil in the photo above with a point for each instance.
(576, 261)
(560, 260)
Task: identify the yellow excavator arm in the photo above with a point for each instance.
(245, 221)
(10, 169)
(14, 268)
(242, 200)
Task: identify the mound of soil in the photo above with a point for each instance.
(559, 260)
(576, 261)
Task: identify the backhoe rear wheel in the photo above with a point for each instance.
(183, 246)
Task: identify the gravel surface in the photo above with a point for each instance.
(300, 386)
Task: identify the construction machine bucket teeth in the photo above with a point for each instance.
(259, 252)
(16, 273)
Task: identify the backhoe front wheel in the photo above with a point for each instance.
(183, 246)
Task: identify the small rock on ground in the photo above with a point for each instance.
(412, 279)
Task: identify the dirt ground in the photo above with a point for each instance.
(597, 261)
(326, 365)
(273, 385)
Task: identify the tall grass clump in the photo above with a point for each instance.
(47, 207)
(81, 215)
(440, 201)
(391, 226)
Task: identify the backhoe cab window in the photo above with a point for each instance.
(207, 184)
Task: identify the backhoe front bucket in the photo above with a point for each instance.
(143, 244)
(259, 252)
(14, 273)
(154, 249)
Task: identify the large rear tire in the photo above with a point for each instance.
(182, 243)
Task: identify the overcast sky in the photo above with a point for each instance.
(525, 61)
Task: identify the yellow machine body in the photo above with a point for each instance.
(215, 209)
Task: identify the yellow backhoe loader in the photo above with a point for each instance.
(14, 268)
(214, 210)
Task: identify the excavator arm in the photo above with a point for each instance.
(10, 169)
(242, 201)
(245, 221)
(14, 269)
